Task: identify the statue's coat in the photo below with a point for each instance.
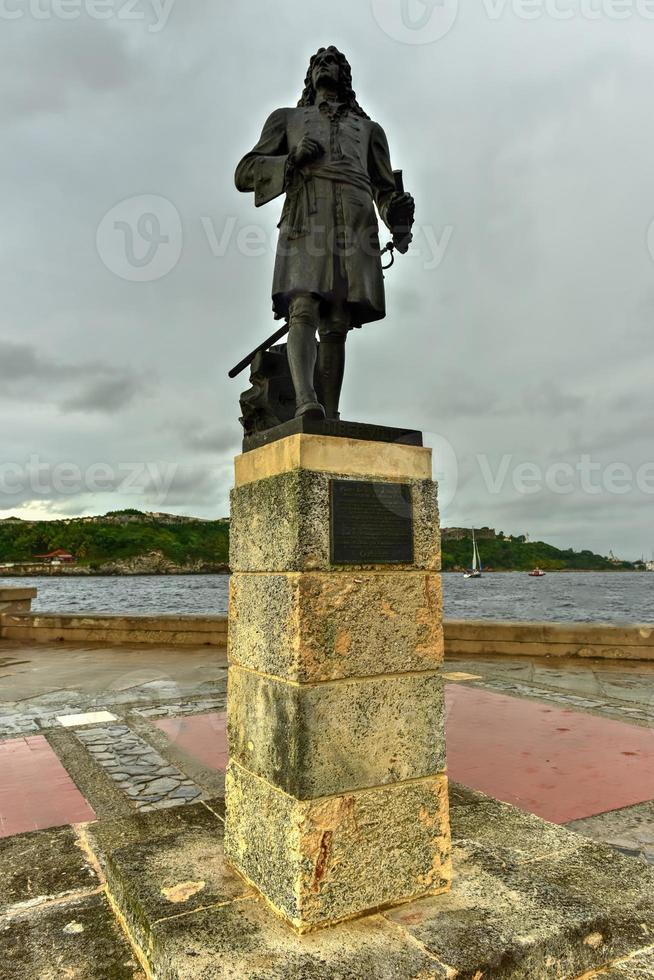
(328, 233)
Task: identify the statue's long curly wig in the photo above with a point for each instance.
(346, 92)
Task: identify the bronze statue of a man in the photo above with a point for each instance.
(333, 163)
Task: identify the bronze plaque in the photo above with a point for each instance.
(371, 523)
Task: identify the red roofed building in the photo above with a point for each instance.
(58, 557)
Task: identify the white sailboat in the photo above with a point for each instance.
(475, 569)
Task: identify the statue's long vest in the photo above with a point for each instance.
(328, 233)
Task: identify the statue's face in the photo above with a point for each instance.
(326, 70)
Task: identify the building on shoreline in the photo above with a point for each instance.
(58, 557)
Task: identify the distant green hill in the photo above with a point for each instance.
(122, 536)
(118, 536)
(518, 554)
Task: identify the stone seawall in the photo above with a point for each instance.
(16, 600)
(463, 638)
(114, 630)
(481, 638)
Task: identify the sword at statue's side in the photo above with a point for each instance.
(241, 366)
(402, 238)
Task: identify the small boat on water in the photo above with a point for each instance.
(475, 569)
(537, 573)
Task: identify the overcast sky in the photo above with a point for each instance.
(518, 334)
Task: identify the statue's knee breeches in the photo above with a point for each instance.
(335, 326)
(332, 337)
(304, 312)
(309, 312)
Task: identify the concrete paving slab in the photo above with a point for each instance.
(503, 923)
(596, 873)
(630, 830)
(548, 918)
(508, 832)
(36, 867)
(88, 718)
(95, 669)
(78, 940)
(108, 836)
(243, 939)
(172, 875)
(557, 763)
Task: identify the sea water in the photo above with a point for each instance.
(607, 597)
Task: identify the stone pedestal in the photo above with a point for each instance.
(336, 789)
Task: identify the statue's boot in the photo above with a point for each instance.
(302, 355)
(331, 370)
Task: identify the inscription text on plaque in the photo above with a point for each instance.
(371, 523)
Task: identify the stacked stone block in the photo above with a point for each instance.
(336, 790)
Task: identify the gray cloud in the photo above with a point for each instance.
(110, 395)
(215, 440)
(547, 398)
(19, 362)
(190, 486)
(50, 64)
(25, 373)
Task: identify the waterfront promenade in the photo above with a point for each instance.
(568, 740)
(111, 753)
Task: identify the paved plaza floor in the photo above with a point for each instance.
(88, 729)
(92, 734)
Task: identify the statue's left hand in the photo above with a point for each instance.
(401, 211)
(400, 217)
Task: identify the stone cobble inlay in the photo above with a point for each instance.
(183, 708)
(149, 781)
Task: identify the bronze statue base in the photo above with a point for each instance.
(332, 427)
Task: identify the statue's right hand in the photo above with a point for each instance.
(306, 152)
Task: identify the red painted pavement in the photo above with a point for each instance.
(559, 764)
(36, 792)
(204, 737)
